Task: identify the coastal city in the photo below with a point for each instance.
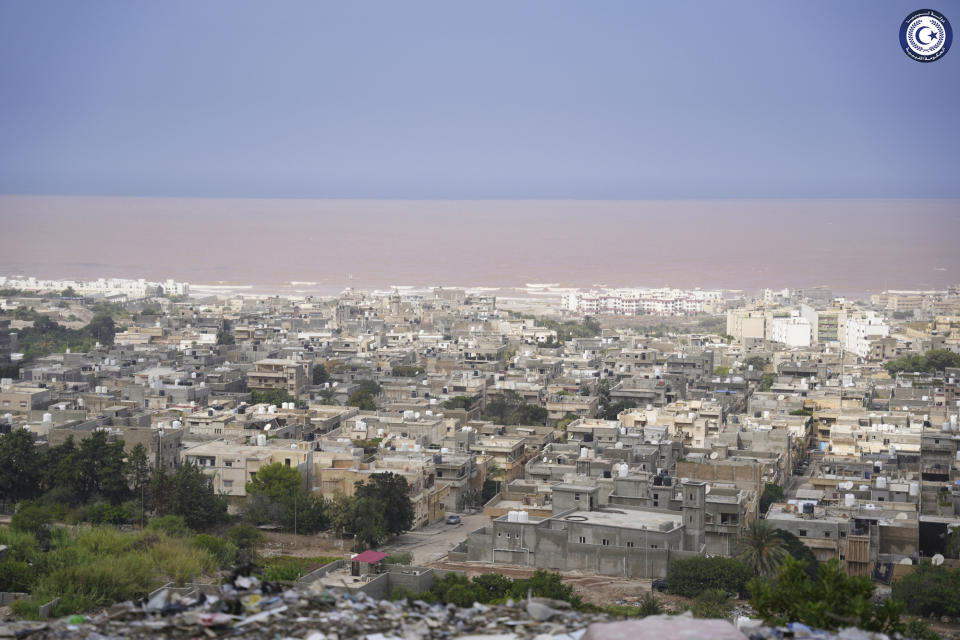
(500, 320)
(606, 433)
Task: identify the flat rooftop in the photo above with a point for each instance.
(626, 519)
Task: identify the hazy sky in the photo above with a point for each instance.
(495, 99)
(853, 245)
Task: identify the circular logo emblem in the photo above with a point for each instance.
(925, 35)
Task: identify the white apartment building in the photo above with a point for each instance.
(860, 330)
(629, 302)
(793, 331)
(139, 288)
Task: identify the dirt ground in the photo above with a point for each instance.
(304, 546)
(598, 590)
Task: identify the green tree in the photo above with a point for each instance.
(69, 292)
(832, 601)
(20, 470)
(368, 523)
(799, 551)
(758, 362)
(771, 493)
(189, 493)
(320, 374)
(60, 469)
(611, 411)
(929, 590)
(930, 362)
(690, 576)
(362, 399)
(100, 469)
(761, 548)
(138, 470)
(458, 402)
(102, 328)
(271, 396)
(392, 491)
(340, 513)
(766, 382)
(277, 482)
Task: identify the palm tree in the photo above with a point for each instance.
(762, 548)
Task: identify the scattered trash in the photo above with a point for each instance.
(250, 608)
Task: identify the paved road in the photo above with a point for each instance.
(432, 543)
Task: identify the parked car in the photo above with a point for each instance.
(660, 584)
(453, 519)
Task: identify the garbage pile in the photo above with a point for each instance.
(247, 607)
(250, 608)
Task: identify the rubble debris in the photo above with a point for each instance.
(250, 608)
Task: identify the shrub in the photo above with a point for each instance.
(21, 545)
(175, 526)
(712, 603)
(649, 605)
(929, 590)
(400, 592)
(15, 576)
(289, 568)
(106, 513)
(399, 558)
(34, 520)
(244, 536)
(223, 551)
(833, 600)
(545, 585)
(692, 576)
(492, 586)
(918, 629)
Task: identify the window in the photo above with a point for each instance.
(653, 546)
(803, 533)
(286, 461)
(630, 544)
(227, 484)
(583, 540)
(576, 496)
(826, 534)
(605, 542)
(843, 534)
(499, 534)
(228, 463)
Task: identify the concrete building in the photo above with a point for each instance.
(581, 536)
(274, 373)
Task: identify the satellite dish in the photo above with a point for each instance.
(937, 559)
(906, 561)
(713, 455)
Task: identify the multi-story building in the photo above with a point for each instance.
(274, 373)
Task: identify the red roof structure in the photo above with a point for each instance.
(369, 556)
